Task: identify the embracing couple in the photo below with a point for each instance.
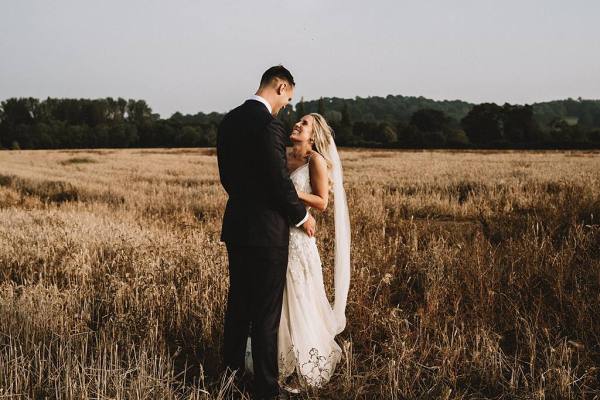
(279, 324)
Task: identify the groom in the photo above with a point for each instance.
(261, 206)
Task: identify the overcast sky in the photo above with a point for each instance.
(208, 56)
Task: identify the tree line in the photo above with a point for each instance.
(417, 122)
(28, 123)
(393, 121)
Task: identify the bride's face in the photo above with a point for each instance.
(302, 131)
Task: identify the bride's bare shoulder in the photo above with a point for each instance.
(317, 161)
(315, 156)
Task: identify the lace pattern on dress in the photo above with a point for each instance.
(303, 250)
(313, 369)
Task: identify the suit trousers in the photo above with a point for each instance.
(256, 284)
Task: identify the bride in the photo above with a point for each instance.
(309, 323)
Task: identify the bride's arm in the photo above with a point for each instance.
(319, 183)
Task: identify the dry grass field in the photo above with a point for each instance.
(475, 275)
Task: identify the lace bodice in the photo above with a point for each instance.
(301, 178)
(299, 241)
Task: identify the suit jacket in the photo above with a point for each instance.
(252, 167)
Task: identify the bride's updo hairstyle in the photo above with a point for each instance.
(322, 136)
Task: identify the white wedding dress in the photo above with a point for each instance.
(309, 323)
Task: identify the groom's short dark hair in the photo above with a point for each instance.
(278, 71)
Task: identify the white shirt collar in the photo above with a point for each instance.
(262, 100)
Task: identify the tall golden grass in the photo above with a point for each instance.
(475, 275)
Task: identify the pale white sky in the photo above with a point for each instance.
(208, 56)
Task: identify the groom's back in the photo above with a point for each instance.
(251, 216)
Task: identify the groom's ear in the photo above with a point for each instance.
(281, 85)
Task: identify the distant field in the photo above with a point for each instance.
(475, 275)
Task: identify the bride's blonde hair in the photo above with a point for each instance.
(322, 136)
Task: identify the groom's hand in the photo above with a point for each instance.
(309, 226)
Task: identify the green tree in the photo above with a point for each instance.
(386, 134)
(429, 120)
(287, 116)
(210, 136)
(483, 124)
(342, 134)
(138, 111)
(321, 109)
(333, 116)
(457, 138)
(346, 119)
(189, 136)
(519, 124)
(42, 136)
(300, 111)
(122, 135)
(19, 111)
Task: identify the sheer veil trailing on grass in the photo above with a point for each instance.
(342, 239)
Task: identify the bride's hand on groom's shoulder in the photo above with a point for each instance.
(309, 226)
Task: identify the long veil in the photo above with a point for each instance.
(342, 240)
